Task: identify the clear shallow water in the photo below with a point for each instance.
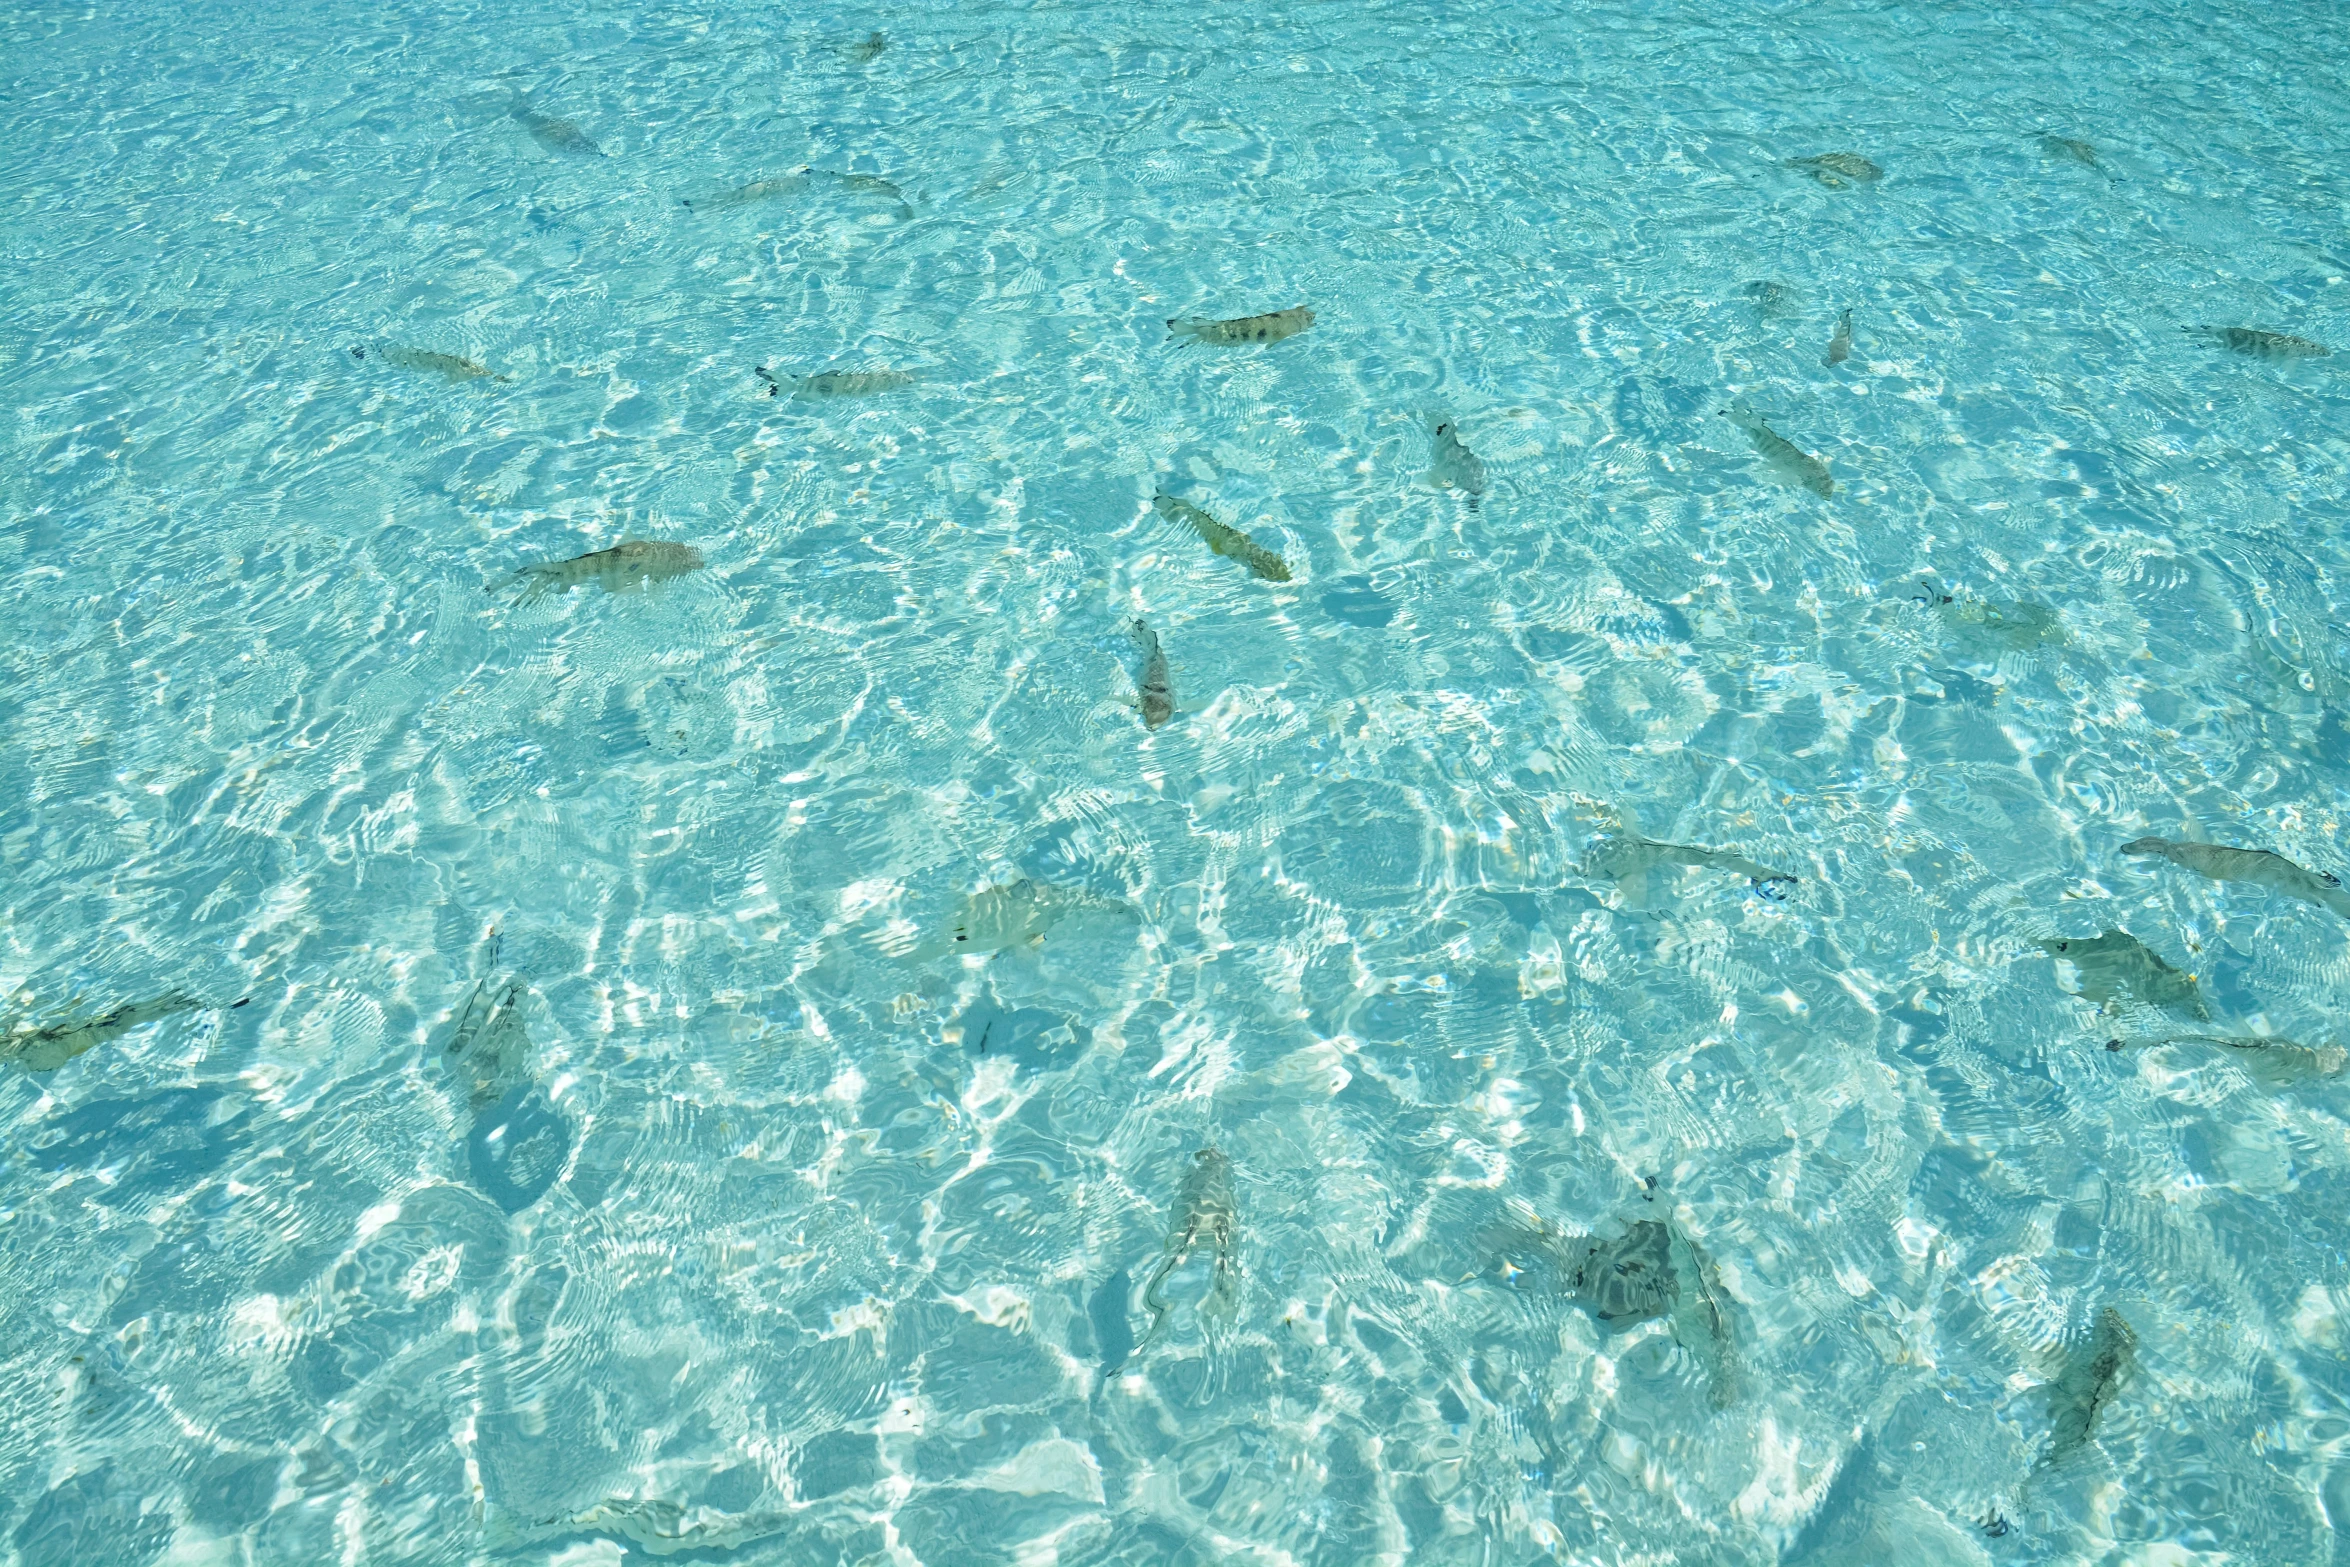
(776, 1212)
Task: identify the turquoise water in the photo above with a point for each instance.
(556, 1121)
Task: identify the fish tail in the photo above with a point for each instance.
(1182, 330)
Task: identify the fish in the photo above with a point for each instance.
(868, 51)
(1157, 690)
(1769, 300)
(556, 135)
(2118, 964)
(2066, 147)
(1245, 329)
(866, 185)
(746, 195)
(2259, 344)
(1016, 914)
(1838, 170)
(624, 568)
(1206, 1214)
(1651, 1270)
(1782, 456)
(658, 1526)
(2017, 623)
(2088, 1385)
(827, 384)
(489, 1040)
(1840, 345)
(1628, 1279)
(454, 366)
(1624, 856)
(1452, 466)
(2269, 1059)
(1701, 1323)
(1112, 1331)
(47, 1048)
(2260, 867)
(1223, 539)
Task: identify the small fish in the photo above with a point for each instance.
(828, 384)
(1626, 856)
(2088, 1386)
(1017, 914)
(1625, 1280)
(2260, 344)
(1769, 300)
(455, 367)
(1782, 456)
(1246, 329)
(1113, 1333)
(867, 185)
(1223, 539)
(1700, 1323)
(47, 1049)
(1158, 691)
(1838, 170)
(747, 195)
(2066, 147)
(2021, 624)
(867, 51)
(2267, 1058)
(2260, 867)
(1452, 466)
(488, 1040)
(2118, 964)
(556, 135)
(1840, 345)
(662, 1528)
(1205, 1214)
(624, 568)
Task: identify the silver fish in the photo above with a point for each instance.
(624, 568)
(1782, 456)
(2066, 147)
(825, 385)
(2088, 1385)
(659, 1527)
(2020, 624)
(2266, 1058)
(1626, 856)
(454, 366)
(2118, 964)
(1206, 1214)
(1625, 1280)
(1451, 465)
(746, 195)
(1157, 690)
(556, 135)
(1769, 300)
(45, 1049)
(1015, 915)
(1701, 1322)
(1840, 345)
(1222, 538)
(488, 1040)
(1245, 329)
(2259, 344)
(2260, 867)
(1838, 170)
(867, 51)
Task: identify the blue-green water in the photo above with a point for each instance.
(558, 1123)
